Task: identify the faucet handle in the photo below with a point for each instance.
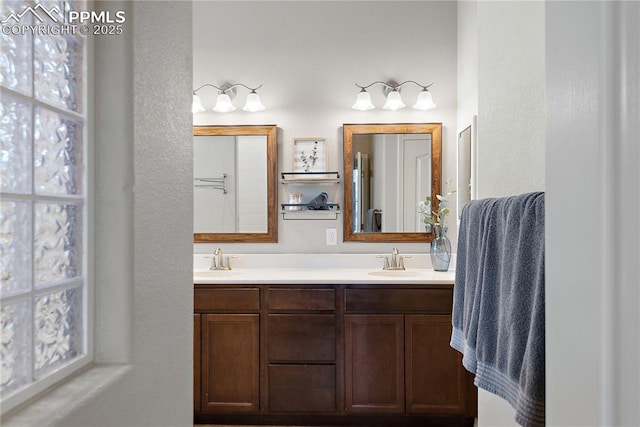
(227, 266)
(386, 262)
(213, 261)
(402, 257)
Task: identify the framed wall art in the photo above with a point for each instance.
(309, 155)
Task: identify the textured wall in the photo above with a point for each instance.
(163, 221)
(511, 102)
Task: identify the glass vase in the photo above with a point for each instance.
(440, 249)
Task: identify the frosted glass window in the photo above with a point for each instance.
(15, 145)
(44, 234)
(16, 52)
(57, 242)
(15, 251)
(57, 329)
(57, 66)
(57, 156)
(16, 345)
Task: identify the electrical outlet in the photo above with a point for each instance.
(332, 236)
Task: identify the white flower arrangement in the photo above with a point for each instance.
(439, 217)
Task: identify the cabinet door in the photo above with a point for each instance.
(230, 362)
(374, 363)
(197, 356)
(435, 378)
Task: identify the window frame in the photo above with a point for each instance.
(37, 387)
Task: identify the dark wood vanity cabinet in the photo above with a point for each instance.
(227, 351)
(328, 355)
(301, 350)
(397, 355)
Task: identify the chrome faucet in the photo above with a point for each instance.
(397, 261)
(217, 261)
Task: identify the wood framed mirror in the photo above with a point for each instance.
(388, 170)
(235, 184)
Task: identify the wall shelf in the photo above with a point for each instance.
(303, 213)
(307, 214)
(300, 211)
(310, 177)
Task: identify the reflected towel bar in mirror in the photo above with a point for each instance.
(215, 183)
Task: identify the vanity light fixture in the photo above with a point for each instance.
(226, 93)
(391, 90)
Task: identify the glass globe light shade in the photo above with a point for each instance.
(424, 102)
(223, 104)
(394, 101)
(196, 105)
(363, 102)
(253, 103)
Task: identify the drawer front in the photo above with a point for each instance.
(302, 388)
(226, 299)
(302, 299)
(399, 300)
(300, 338)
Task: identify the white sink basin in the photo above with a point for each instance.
(215, 273)
(394, 273)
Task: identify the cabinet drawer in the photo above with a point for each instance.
(309, 337)
(302, 388)
(399, 300)
(227, 299)
(302, 299)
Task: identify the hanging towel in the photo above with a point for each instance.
(498, 302)
(373, 223)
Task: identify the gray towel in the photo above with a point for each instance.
(498, 302)
(373, 220)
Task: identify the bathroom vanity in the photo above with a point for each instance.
(307, 346)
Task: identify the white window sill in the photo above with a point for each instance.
(53, 407)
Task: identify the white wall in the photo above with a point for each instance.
(251, 164)
(503, 42)
(593, 198)
(467, 48)
(213, 210)
(511, 102)
(467, 111)
(308, 55)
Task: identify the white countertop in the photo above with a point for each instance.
(313, 276)
(313, 269)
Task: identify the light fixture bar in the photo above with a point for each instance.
(226, 94)
(391, 90)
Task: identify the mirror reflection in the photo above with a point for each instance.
(392, 167)
(464, 169)
(230, 189)
(234, 180)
